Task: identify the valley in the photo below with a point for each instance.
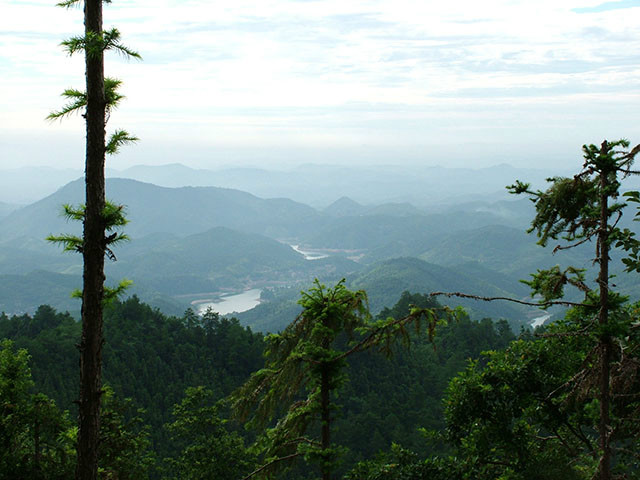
(193, 247)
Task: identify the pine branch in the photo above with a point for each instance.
(78, 102)
(95, 44)
(573, 245)
(522, 302)
(374, 337)
(68, 3)
(70, 243)
(111, 41)
(117, 139)
(272, 462)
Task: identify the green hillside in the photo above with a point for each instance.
(385, 281)
(180, 211)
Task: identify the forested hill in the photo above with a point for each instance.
(190, 243)
(385, 281)
(153, 209)
(153, 358)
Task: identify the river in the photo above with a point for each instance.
(239, 302)
(536, 322)
(309, 254)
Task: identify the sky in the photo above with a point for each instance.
(276, 83)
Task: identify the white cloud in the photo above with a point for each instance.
(475, 64)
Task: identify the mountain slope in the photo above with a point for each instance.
(386, 280)
(180, 211)
(503, 249)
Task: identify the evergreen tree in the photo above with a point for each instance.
(36, 439)
(97, 216)
(597, 342)
(305, 366)
(577, 210)
(207, 448)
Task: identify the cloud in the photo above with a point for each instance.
(248, 71)
(607, 6)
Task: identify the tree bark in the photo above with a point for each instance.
(93, 253)
(604, 343)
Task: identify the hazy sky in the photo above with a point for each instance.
(271, 82)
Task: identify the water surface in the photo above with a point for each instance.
(239, 302)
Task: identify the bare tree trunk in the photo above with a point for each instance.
(93, 253)
(604, 343)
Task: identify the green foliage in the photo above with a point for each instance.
(402, 464)
(207, 449)
(96, 43)
(575, 210)
(549, 284)
(625, 238)
(78, 99)
(302, 369)
(570, 207)
(38, 440)
(153, 359)
(305, 366)
(113, 218)
(389, 400)
(507, 421)
(117, 140)
(565, 208)
(124, 440)
(35, 437)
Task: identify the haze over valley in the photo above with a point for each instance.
(196, 245)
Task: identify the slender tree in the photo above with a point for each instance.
(305, 365)
(97, 215)
(574, 211)
(578, 210)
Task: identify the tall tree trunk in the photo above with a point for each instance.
(93, 253)
(604, 343)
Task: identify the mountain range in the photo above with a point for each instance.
(187, 241)
(312, 184)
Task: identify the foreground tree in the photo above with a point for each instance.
(605, 381)
(578, 210)
(208, 449)
(97, 215)
(36, 439)
(305, 366)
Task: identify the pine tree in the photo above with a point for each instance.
(305, 367)
(577, 210)
(97, 215)
(574, 211)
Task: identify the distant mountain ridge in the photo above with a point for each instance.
(313, 184)
(7, 208)
(188, 240)
(347, 207)
(151, 209)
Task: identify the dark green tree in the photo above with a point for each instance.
(305, 366)
(96, 103)
(208, 449)
(577, 210)
(125, 446)
(36, 439)
(574, 211)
